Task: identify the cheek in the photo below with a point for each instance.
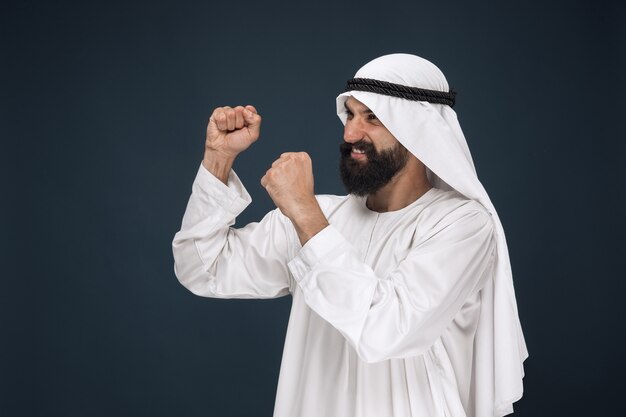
(385, 144)
(382, 138)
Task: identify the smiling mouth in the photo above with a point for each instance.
(358, 153)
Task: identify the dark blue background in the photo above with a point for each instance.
(104, 108)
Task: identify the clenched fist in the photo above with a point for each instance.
(232, 130)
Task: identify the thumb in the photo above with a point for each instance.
(252, 118)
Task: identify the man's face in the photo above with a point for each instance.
(370, 154)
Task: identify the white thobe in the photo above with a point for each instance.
(385, 305)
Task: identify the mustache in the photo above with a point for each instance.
(345, 148)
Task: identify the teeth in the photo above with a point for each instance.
(355, 150)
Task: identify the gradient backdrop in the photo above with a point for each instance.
(104, 109)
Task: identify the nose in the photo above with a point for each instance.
(352, 131)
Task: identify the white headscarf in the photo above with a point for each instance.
(432, 133)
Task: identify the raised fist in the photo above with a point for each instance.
(289, 182)
(232, 130)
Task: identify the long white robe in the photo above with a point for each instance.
(385, 305)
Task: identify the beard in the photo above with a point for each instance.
(366, 177)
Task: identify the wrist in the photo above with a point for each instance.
(218, 164)
(308, 221)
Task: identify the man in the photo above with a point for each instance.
(403, 302)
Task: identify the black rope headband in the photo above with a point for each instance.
(402, 91)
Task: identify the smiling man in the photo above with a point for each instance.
(403, 300)
(371, 158)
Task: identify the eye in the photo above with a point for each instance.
(348, 114)
(372, 116)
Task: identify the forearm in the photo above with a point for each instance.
(212, 259)
(309, 221)
(211, 210)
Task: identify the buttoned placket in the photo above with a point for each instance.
(367, 235)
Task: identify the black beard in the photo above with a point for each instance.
(367, 177)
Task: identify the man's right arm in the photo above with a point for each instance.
(212, 259)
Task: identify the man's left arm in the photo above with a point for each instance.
(401, 314)
(395, 316)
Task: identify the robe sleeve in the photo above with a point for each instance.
(213, 259)
(403, 313)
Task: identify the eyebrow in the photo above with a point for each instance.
(366, 111)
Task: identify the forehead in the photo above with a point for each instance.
(356, 106)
